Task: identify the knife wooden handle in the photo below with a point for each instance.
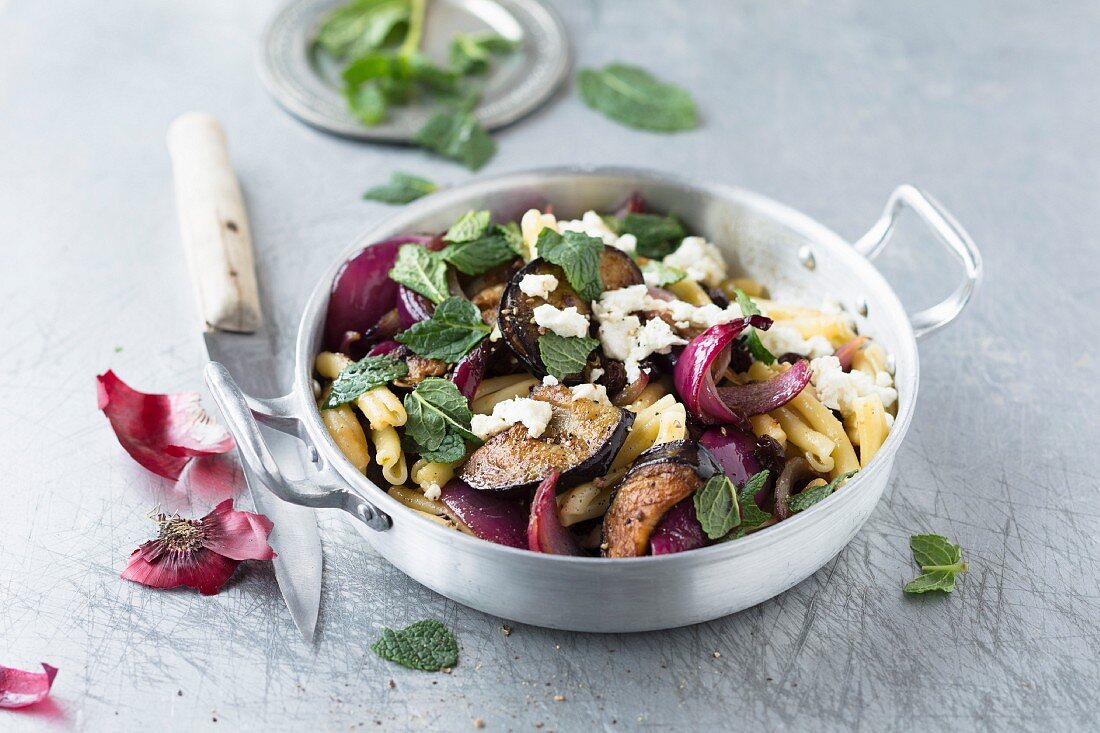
(214, 225)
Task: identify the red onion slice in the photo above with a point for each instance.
(848, 351)
(383, 347)
(693, 377)
(678, 530)
(412, 307)
(471, 368)
(757, 398)
(20, 688)
(491, 517)
(545, 532)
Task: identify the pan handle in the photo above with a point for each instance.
(949, 232)
(325, 490)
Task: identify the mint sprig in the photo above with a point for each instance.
(480, 255)
(659, 274)
(752, 336)
(458, 136)
(805, 499)
(941, 561)
(453, 330)
(426, 645)
(439, 420)
(365, 374)
(565, 355)
(716, 507)
(402, 188)
(752, 516)
(578, 255)
(636, 98)
(470, 53)
(468, 227)
(422, 270)
(658, 236)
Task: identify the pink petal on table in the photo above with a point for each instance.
(237, 535)
(19, 688)
(161, 431)
(155, 565)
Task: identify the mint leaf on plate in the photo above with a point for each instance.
(362, 26)
(805, 499)
(365, 374)
(565, 355)
(752, 337)
(658, 236)
(421, 270)
(940, 560)
(578, 255)
(659, 274)
(457, 136)
(454, 328)
(716, 507)
(402, 188)
(635, 98)
(439, 420)
(426, 645)
(367, 102)
(469, 227)
(470, 53)
(480, 255)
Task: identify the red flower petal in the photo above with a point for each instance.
(19, 688)
(237, 535)
(161, 432)
(156, 566)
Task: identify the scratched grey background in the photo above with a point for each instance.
(992, 106)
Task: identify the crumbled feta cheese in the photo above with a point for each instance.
(538, 286)
(432, 492)
(595, 374)
(700, 259)
(495, 335)
(624, 337)
(594, 225)
(627, 300)
(550, 380)
(594, 392)
(784, 340)
(533, 414)
(636, 298)
(627, 243)
(567, 322)
(838, 389)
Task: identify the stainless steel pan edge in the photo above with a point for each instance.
(772, 242)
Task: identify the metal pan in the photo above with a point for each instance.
(797, 257)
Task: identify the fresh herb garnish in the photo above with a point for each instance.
(362, 26)
(565, 355)
(659, 274)
(421, 270)
(470, 54)
(658, 236)
(469, 227)
(367, 102)
(454, 328)
(752, 336)
(578, 255)
(426, 645)
(635, 98)
(940, 560)
(716, 507)
(513, 236)
(365, 374)
(439, 420)
(480, 255)
(402, 188)
(802, 501)
(752, 516)
(456, 135)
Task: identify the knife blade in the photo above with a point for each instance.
(217, 241)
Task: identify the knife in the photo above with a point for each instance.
(218, 244)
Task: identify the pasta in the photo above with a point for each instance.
(390, 457)
(348, 435)
(379, 405)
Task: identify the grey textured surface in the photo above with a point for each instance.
(991, 106)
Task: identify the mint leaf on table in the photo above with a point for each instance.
(367, 102)
(402, 188)
(470, 53)
(752, 336)
(565, 355)
(439, 420)
(454, 328)
(716, 507)
(940, 560)
(480, 255)
(361, 26)
(658, 236)
(469, 227)
(421, 270)
(365, 374)
(578, 255)
(426, 645)
(805, 499)
(457, 136)
(635, 98)
(659, 274)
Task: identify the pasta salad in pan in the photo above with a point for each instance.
(600, 386)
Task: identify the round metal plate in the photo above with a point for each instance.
(309, 87)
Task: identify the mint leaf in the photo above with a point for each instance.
(470, 54)
(635, 98)
(752, 516)
(658, 236)
(940, 560)
(752, 337)
(565, 355)
(659, 274)
(807, 498)
(361, 26)
(716, 507)
(578, 255)
(456, 136)
(480, 255)
(469, 227)
(439, 420)
(365, 374)
(401, 189)
(421, 270)
(426, 645)
(512, 235)
(367, 67)
(454, 328)
(367, 102)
